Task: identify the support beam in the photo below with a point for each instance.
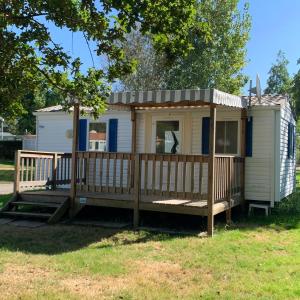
(243, 155)
(211, 171)
(137, 190)
(229, 190)
(74, 159)
(133, 142)
(133, 130)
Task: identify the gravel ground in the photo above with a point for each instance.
(6, 188)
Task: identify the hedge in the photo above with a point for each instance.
(8, 149)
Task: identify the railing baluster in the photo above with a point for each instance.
(192, 175)
(107, 171)
(176, 176)
(129, 172)
(161, 174)
(146, 175)
(153, 174)
(168, 174)
(121, 172)
(184, 177)
(114, 172)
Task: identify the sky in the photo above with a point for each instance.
(275, 26)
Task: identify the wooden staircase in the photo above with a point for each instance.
(29, 205)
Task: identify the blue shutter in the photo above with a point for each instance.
(205, 135)
(82, 134)
(249, 136)
(113, 135)
(291, 141)
(294, 141)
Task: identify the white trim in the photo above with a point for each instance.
(88, 137)
(178, 118)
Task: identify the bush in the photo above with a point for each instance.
(8, 149)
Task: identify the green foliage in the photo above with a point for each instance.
(31, 102)
(296, 91)
(151, 67)
(29, 53)
(279, 81)
(218, 58)
(219, 39)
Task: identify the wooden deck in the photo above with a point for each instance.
(147, 202)
(172, 183)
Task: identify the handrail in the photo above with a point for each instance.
(37, 169)
(177, 175)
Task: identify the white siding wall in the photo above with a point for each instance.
(287, 165)
(260, 167)
(52, 130)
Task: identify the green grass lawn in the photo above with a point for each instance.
(6, 171)
(6, 175)
(6, 164)
(257, 258)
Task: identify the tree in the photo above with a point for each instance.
(29, 52)
(150, 72)
(217, 58)
(279, 81)
(295, 91)
(26, 121)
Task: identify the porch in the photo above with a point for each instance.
(171, 183)
(165, 177)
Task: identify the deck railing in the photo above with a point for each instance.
(35, 170)
(178, 176)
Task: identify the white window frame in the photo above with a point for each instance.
(178, 118)
(238, 137)
(88, 136)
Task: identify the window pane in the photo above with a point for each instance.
(167, 137)
(231, 137)
(97, 136)
(220, 137)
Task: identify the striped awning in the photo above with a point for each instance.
(185, 97)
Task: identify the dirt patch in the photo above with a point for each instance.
(16, 280)
(145, 274)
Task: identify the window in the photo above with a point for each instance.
(97, 136)
(227, 137)
(291, 140)
(167, 137)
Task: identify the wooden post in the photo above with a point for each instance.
(54, 170)
(137, 190)
(243, 154)
(228, 211)
(211, 171)
(17, 172)
(74, 159)
(133, 142)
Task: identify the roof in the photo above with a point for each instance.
(57, 108)
(267, 100)
(93, 135)
(191, 96)
(117, 101)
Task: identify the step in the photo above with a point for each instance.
(26, 214)
(40, 198)
(33, 203)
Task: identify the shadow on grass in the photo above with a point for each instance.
(63, 238)
(58, 239)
